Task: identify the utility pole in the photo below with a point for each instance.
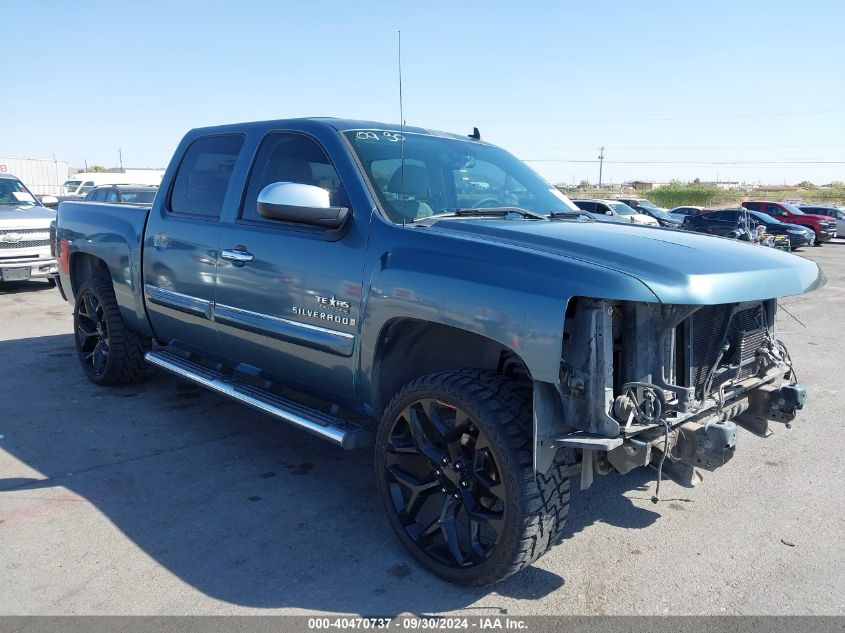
(86, 165)
(601, 163)
(120, 158)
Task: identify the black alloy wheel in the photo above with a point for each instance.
(454, 467)
(110, 353)
(444, 482)
(92, 334)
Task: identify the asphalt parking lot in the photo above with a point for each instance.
(161, 498)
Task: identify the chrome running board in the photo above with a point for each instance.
(342, 433)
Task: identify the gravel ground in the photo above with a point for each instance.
(164, 499)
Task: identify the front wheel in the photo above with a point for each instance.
(817, 242)
(455, 472)
(110, 353)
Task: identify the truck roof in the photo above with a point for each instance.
(341, 125)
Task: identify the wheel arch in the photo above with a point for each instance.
(433, 347)
(84, 267)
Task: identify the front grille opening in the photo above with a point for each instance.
(743, 335)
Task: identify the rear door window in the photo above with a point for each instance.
(204, 174)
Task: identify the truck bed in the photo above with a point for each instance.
(114, 234)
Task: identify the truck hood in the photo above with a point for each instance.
(25, 217)
(679, 267)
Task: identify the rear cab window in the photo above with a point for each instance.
(202, 180)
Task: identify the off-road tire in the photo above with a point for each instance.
(124, 363)
(536, 506)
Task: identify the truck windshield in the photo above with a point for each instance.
(419, 175)
(13, 193)
(763, 217)
(621, 208)
(648, 204)
(71, 185)
(139, 197)
(792, 208)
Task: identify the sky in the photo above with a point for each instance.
(745, 91)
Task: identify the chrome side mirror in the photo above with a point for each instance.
(49, 201)
(300, 204)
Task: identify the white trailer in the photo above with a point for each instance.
(43, 177)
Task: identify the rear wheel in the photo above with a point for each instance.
(110, 353)
(455, 473)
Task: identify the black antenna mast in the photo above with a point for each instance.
(401, 135)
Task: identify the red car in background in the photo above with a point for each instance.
(824, 226)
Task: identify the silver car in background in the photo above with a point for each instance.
(24, 234)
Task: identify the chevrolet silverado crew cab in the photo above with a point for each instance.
(431, 296)
(822, 225)
(24, 234)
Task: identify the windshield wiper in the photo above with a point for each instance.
(578, 216)
(482, 212)
(500, 211)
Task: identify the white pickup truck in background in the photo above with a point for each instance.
(24, 234)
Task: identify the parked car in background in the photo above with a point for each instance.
(125, 194)
(682, 213)
(24, 234)
(647, 207)
(823, 226)
(614, 210)
(662, 216)
(725, 221)
(78, 185)
(831, 211)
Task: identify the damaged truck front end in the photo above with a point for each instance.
(663, 385)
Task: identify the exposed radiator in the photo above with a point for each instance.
(745, 334)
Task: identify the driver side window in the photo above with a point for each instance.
(773, 209)
(286, 157)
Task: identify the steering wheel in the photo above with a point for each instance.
(487, 203)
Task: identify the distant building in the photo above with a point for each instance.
(774, 188)
(724, 184)
(646, 185)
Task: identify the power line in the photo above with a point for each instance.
(754, 115)
(689, 162)
(680, 147)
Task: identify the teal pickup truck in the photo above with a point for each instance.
(428, 294)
